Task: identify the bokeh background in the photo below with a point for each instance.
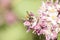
(14, 29)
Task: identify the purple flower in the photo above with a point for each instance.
(47, 22)
(27, 23)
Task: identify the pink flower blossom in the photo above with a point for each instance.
(10, 17)
(5, 3)
(47, 23)
(27, 23)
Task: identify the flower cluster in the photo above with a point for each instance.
(47, 22)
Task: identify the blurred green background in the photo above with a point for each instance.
(17, 31)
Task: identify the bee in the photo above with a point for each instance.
(31, 18)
